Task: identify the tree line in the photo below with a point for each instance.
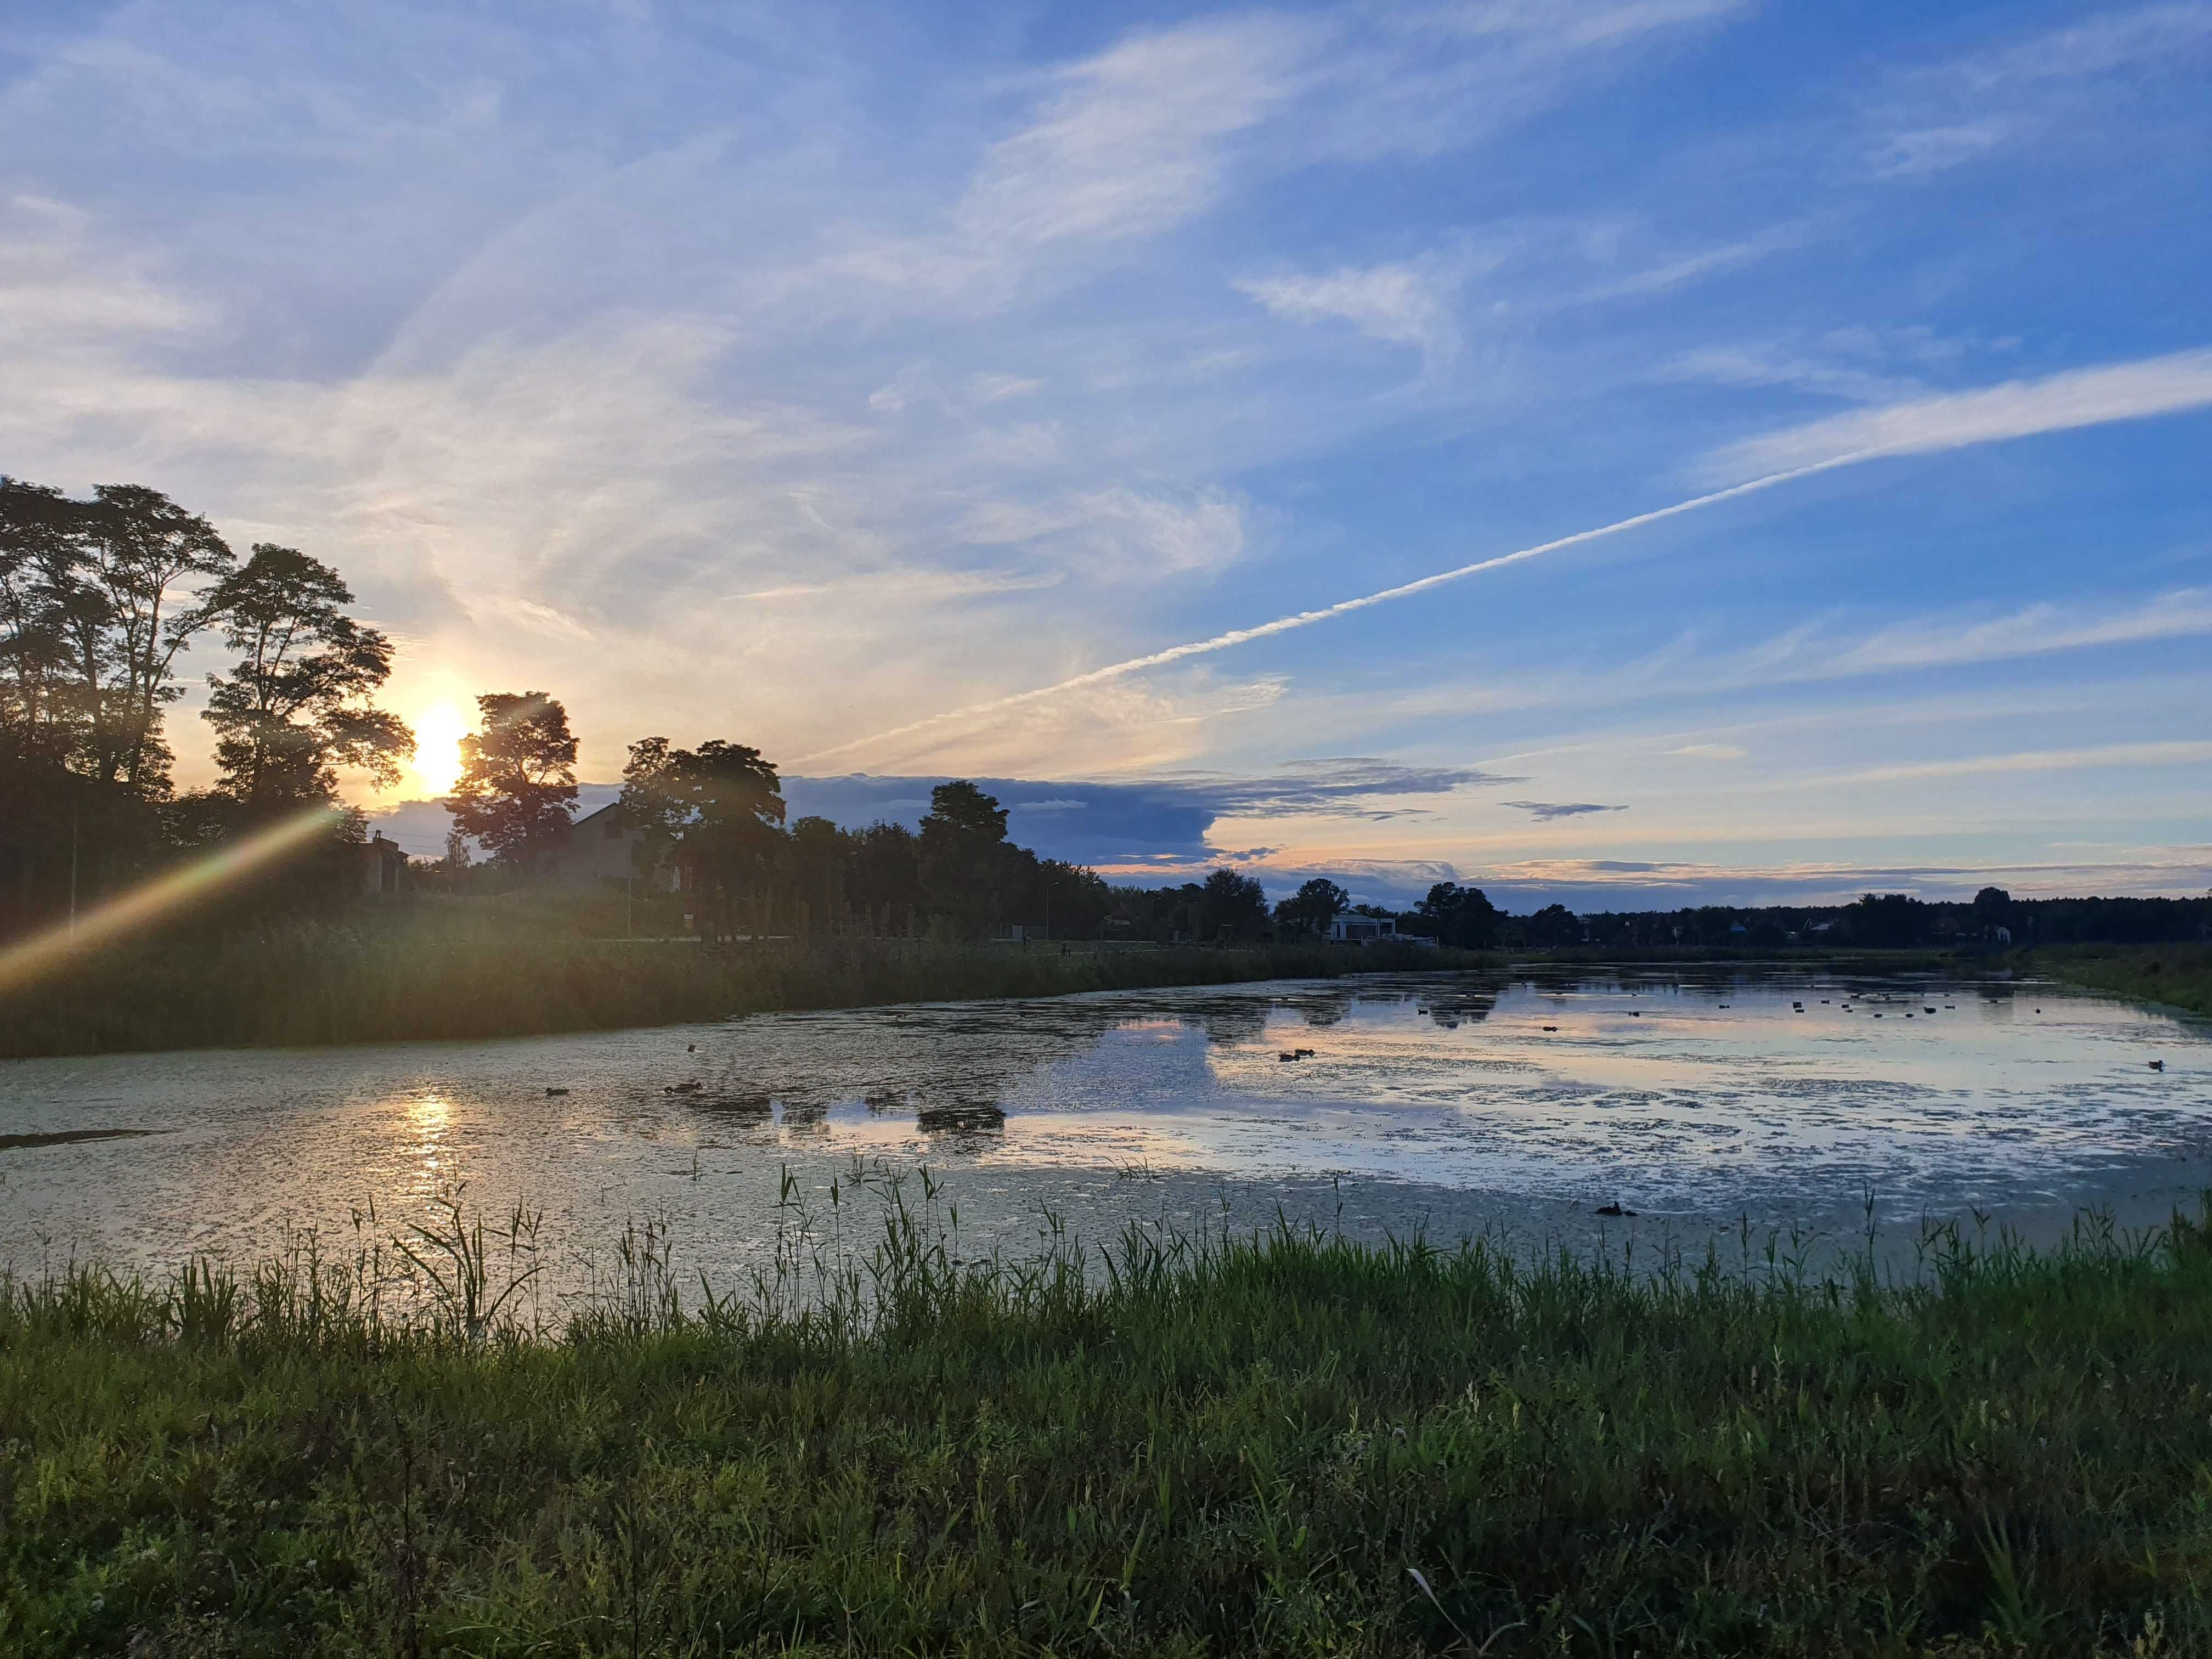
(715, 816)
(102, 596)
(99, 598)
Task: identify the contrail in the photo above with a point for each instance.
(1343, 607)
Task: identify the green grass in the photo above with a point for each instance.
(311, 984)
(1294, 1444)
(2179, 975)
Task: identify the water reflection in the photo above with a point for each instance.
(1685, 1092)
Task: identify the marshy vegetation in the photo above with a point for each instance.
(1291, 1444)
(434, 974)
(2179, 975)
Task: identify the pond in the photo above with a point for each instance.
(1709, 1104)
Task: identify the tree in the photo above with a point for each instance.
(1232, 906)
(1886, 920)
(1312, 908)
(1462, 917)
(126, 636)
(94, 608)
(42, 555)
(719, 807)
(816, 858)
(885, 876)
(517, 782)
(296, 707)
(964, 862)
(1554, 925)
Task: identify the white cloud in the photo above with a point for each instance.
(2057, 403)
(1720, 751)
(1398, 303)
(2177, 753)
(1137, 139)
(1150, 535)
(2033, 630)
(2057, 82)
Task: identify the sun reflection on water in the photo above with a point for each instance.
(429, 1116)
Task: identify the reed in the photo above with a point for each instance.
(315, 984)
(1284, 1443)
(2179, 975)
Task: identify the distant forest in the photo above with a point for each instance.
(101, 597)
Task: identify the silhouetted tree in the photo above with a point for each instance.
(129, 616)
(720, 808)
(296, 707)
(1886, 920)
(1552, 926)
(1312, 908)
(1066, 899)
(1462, 917)
(885, 876)
(517, 782)
(816, 858)
(96, 603)
(964, 863)
(1232, 906)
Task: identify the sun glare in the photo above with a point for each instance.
(438, 733)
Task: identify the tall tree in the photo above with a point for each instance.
(96, 602)
(130, 614)
(1230, 907)
(1460, 916)
(517, 781)
(297, 706)
(885, 876)
(42, 559)
(720, 808)
(817, 856)
(964, 858)
(1313, 907)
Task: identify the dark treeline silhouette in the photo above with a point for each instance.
(100, 598)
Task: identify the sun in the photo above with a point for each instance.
(438, 733)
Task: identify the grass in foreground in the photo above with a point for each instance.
(313, 984)
(1290, 1445)
(2179, 975)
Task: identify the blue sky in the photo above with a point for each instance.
(841, 380)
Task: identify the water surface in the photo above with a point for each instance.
(1452, 1103)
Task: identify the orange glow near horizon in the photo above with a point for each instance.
(439, 730)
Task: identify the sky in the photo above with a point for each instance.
(916, 392)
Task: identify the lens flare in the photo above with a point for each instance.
(202, 879)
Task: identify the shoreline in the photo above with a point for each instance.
(316, 989)
(1237, 1446)
(322, 988)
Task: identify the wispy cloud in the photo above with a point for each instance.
(1399, 303)
(2173, 384)
(1544, 811)
(1933, 118)
(2033, 760)
(1136, 139)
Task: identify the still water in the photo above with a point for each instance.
(1449, 1103)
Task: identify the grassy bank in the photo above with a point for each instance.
(309, 985)
(2179, 975)
(1293, 1445)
